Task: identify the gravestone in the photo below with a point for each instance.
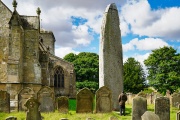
(63, 104)
(148, 115)
(46, 98)
(33, 112)
(139, 107)
(103, 100)
(11, 118)
(175, 99)
(162, 108)
(178, 115)
(23, 96)
(4, 102)
(84, 101)
(142, 94)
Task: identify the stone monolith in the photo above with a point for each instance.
(110, 54)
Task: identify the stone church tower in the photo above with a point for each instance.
(27, 56)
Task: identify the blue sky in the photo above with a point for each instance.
(76, 24)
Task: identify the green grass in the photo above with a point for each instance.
(72, 115)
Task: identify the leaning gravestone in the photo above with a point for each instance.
(139, 107)
(175, 99)
(162, 108)
(46, 98)
(33, 112)
(148, 115)
(23, 96)
(4, 101)
(84, 101)
(103, 100)
(63, 104)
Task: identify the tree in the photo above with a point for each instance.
(163, 66)
(134, 76)
(86, 66)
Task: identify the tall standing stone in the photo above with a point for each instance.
(110, 54)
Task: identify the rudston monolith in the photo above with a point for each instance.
(110, 54)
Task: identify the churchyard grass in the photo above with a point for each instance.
(72, 115)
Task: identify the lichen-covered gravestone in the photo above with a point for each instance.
(4, 101)
(103, 100)
(162, 108)
(23, 96)
(63, 104)
(175, 99)
(139, 107)
(84, 101)
(33, 112)
(46, 98)
(148, 115)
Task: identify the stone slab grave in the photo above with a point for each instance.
(175, 99)
(33, 112)
(4, 101)
(139, 107)
(148, 115)
(84, 100)
(23, 96)
(162, 108)
(63, 104)
(103, 100)
(46, 98)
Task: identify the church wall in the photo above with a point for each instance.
(5, 15)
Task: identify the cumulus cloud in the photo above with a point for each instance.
(144, 44)
(62, 51)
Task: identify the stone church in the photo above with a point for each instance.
(27, 58)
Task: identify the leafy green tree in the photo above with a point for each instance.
(163, 66)
(86, 66)
(134, 76)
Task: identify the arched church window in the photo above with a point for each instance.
(59, 78)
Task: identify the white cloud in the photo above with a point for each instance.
(62, 51)
(144, 44)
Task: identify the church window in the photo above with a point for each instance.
(59, 78)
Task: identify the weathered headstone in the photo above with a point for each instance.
(84, 101)
(110, 54)
(33, 112)
(4, 101)
(23, 96)
(11, 118)
(46, 98)
(103, 100)
(142, 94)
(139, 107)
(178, 115)
(162, 108)
(175, 99)
(63, 104)
(148, 115)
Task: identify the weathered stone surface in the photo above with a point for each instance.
(33, 111)
(4, 101)
(63, 104)
(23, 96)
(175, 99)
(139, 107)
(162, 108)
(178, 115)
(148, 115)
(84, 101)
(46, 98)
(110, 54)
(103, 100)
(11, 118)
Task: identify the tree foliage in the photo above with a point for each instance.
(163, 66)
(86, 66)
(134, 76)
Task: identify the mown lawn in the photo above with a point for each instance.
(72, 115)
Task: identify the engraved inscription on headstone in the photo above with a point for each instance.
(103, 100)
(162, 108)
(23, 96)
(4, 101)
(84, 101)
(46, 98)
(63, 104)
(33, 111)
